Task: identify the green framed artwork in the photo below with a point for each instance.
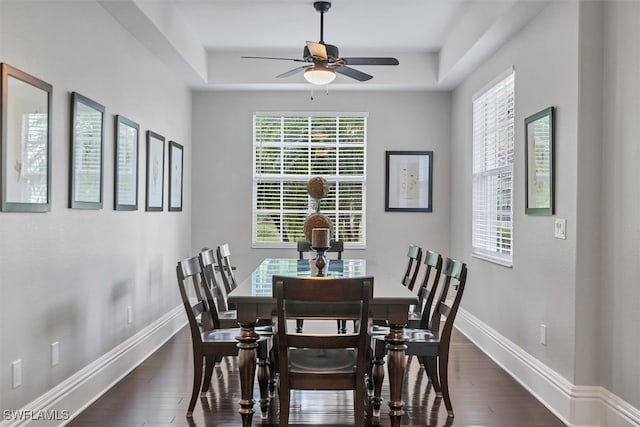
(539, 163)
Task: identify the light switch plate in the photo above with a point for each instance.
(16, 373)
(560, 230)
(55, 353)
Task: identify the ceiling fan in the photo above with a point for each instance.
(324, 61)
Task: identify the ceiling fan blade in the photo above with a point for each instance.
(370, 61)
(268, 57)
(318, 50)
(294, 71)
(353, 73)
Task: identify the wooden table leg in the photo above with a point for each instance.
(247, 365)
(396, 364)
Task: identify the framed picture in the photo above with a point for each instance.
(155, 172)
(539, 190)
(409, 186)
(126, 164)
(25, 157)
(87, 143)
(175, 176)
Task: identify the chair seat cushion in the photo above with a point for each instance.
(320, 360)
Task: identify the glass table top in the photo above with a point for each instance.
(261, 277)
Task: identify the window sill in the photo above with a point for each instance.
(492, 259)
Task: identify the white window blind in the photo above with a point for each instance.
(288, 149)
(492, 204)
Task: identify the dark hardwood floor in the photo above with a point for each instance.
(156, 394)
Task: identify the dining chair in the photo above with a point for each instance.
(420, 316)
(414, 255)
(431, 344)
(223, 253)
(323, 361)
(208, 266)
(336, 246)
(209, 343)
(413, 266)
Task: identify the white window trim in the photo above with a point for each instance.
(476, 252)
(305, 178)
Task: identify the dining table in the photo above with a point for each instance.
(254, 300)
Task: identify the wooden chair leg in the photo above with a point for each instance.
(284, 407)
(197, 381)
(359, 406)
(443, 362)
(208, 372)
(263, 383)
(431, 366)
(377, 373)
(342, 326)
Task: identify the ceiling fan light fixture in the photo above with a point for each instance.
(319, 75)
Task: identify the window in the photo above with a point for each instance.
(493, 140)
(288, 149)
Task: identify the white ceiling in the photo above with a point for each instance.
(405, 25)
(438, 42)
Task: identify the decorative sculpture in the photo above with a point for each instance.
(317, 226)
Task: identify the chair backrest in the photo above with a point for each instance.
(429, 285)
(335, 246)
(226, 270)
(350, 295)
(415, 256)
(452, 270)
(188, 270)
(208, 265)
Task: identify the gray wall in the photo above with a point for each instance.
(619, 297)
(69, 275)
(540, 288)
(585, 288)
(222, 176)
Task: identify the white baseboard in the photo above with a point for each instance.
(583, 406)
(66, 400)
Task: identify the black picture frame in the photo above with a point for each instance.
(25, 129)
(409, 181)
(86, 161)
(176, 163)
(127, 154)
(155, 172)
(539, 163)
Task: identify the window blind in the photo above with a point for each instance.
(493, 141)
(288, 149)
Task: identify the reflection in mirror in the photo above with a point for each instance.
(86, 153)
(25, 142)
(539, 162)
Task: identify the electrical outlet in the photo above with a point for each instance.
(560, 228)
(543, 334)
(129, 314)
(55, 353)
(16, 373)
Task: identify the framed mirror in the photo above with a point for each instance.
(87, 143)
(126, 164)
(539, 163)
(25, 158)
(155, 172)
